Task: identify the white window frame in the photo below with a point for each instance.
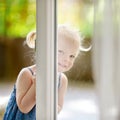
(46, 60)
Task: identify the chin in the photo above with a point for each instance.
(65, 70)
(61, 70)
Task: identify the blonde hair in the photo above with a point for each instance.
(30, 39)
(72, 34)
(69, 33)
(64, 30)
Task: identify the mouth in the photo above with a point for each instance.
(64, 66)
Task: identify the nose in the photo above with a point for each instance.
(66, 59)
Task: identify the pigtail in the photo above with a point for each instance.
(85, 49)
(81, 48)
(30, 39)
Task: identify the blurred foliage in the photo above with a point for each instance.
(17, 17)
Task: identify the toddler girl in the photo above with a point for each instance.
(22, 102)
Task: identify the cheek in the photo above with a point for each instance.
(59, 58)
(70, 64)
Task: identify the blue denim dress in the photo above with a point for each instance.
(12, 111)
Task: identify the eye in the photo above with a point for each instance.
(60, 52)
(72, 56)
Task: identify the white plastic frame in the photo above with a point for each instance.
(46, 60)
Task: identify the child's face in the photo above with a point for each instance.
(67, 52)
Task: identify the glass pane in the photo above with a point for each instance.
(80, 100)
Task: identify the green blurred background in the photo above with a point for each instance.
(18, 17)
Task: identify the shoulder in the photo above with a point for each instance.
(64, 79)
(26, 71)
(24, 76)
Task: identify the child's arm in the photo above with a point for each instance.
(25, 91)
(62, 91)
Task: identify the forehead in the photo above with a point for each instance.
(68, 39)
(68, 45)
